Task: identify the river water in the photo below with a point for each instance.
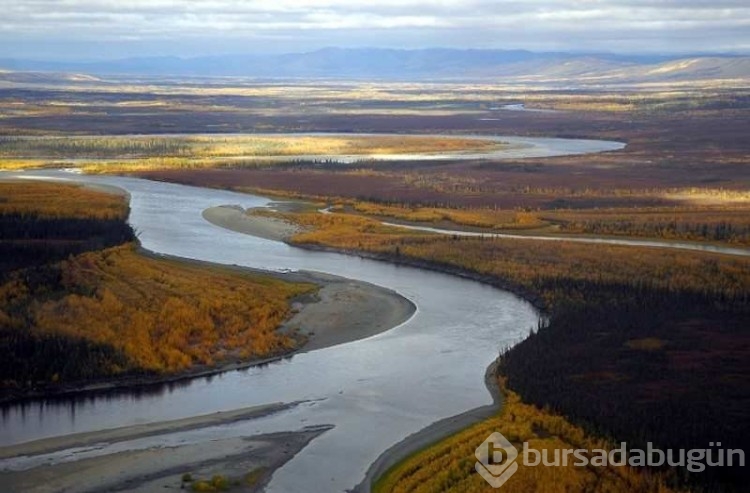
(375, 391)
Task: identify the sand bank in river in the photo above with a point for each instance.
(343, 310)
(245, 461)
(236, 219)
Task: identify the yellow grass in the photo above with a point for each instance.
(22, 164)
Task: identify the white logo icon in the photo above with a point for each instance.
(496, 458)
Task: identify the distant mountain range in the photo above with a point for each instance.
(422, 65)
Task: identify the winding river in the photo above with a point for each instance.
(375, 391)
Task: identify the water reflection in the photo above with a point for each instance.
(66, 404)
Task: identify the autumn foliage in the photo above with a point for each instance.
(114, 311)
(158, 315)
(535, 264)
(449, 465)
(725, 224)
(488, 219)
(54, 200)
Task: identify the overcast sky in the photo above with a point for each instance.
(85, 29)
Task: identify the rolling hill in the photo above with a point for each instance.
(421, 65)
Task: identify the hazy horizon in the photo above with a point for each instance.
(187, 57)
(105, 29)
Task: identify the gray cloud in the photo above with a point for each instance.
(98, 28)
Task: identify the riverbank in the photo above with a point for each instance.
(534, 299)
(246, 462)
(341, 311)
(89, 439)
(433, 434)
(344, 310)
(237, 219)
